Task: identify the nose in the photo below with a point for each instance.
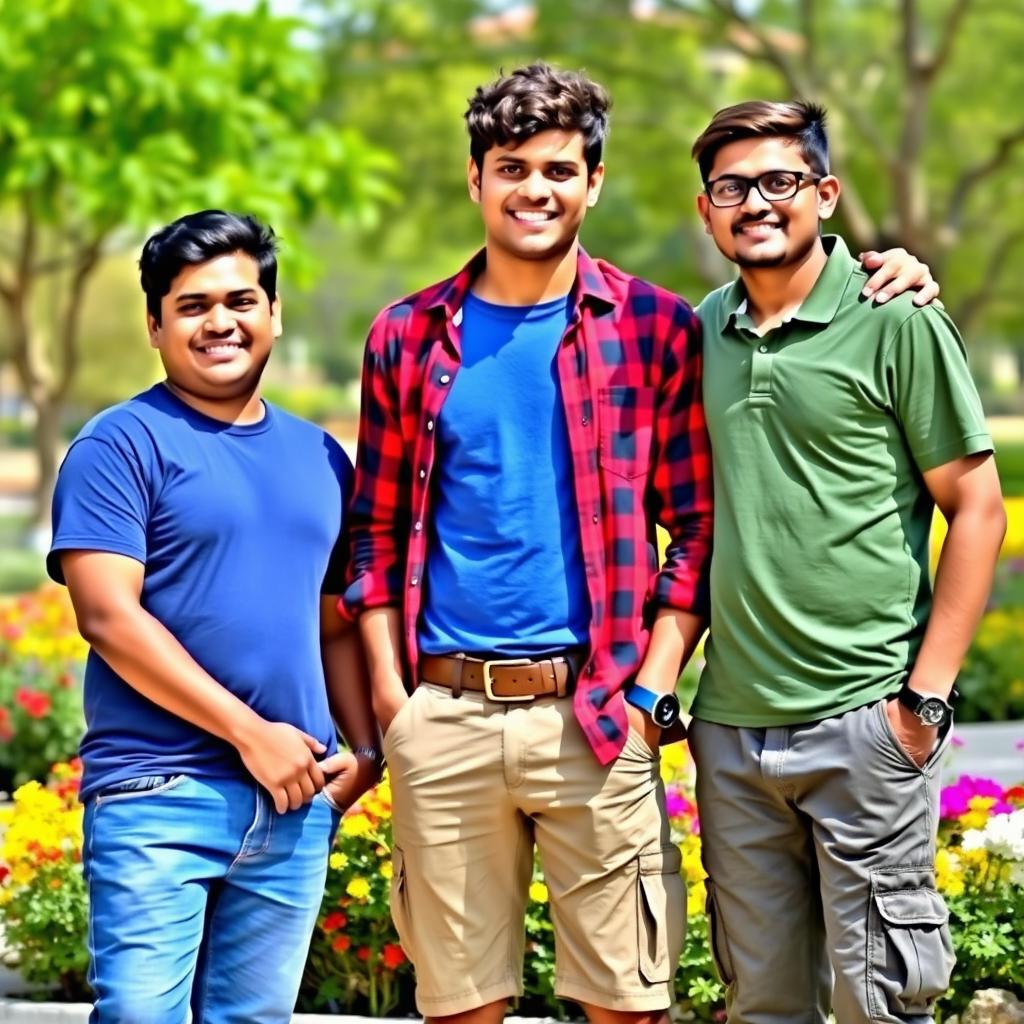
(535, 187)
(755, 202)
(220, 319)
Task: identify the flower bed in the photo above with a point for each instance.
(356, 965)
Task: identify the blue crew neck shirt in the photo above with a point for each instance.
(504, 568)
(237, 527)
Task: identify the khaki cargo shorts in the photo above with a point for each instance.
(475, 785)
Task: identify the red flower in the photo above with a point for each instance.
(363, 952)
(392, 956)
(4, 872)
(35, 704)
(1014, 795)
(6, 732)
(341, 944)
(332, 922)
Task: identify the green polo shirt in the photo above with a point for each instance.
(820, 431)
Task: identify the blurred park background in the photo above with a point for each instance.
(340, 123)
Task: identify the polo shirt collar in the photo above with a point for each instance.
(590, 284)
(820, 307)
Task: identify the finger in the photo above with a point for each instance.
(926, 293)
(280, 798)
(294, 791)
(871, 258)
(308, 789)
(312, 742)
(338, 762)
(881, 277)
(315, 775)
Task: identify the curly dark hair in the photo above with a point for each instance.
(534, 99)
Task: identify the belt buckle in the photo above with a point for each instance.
(489, 682)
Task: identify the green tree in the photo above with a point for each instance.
(118, 116)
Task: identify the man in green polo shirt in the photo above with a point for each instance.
(836, 427)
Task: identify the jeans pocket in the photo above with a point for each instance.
(910, 948)
(134, 789)
(626, 430)
(717, 938)
(399, 902)
(661, 913)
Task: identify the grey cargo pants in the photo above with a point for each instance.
(819, 840)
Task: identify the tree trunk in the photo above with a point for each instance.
(46, 440)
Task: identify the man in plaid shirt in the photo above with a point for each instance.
(525, 426)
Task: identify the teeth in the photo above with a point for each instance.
(530, 215)
(219, 350)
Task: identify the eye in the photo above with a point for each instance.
(779, 182)
(727, 188)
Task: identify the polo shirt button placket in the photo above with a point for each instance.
(761, 375)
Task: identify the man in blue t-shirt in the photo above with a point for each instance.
(198, 530)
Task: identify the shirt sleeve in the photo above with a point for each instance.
(932, 393)
(101, 503)
(681, 488)
(379, 510)
(334, 578)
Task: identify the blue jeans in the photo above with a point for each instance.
(200, 895)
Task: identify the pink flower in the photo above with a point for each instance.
(954, 800)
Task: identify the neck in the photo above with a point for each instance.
(243, 409)
(774, 292)
(509, 280)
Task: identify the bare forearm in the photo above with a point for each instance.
(962, 584)
(674, 637)
(381, 630)
(348, 688)
(145, 655)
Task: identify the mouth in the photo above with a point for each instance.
(532, 217)
(757, 229)
(222, 349)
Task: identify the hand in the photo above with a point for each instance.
(280, 758)
(916, 739)
(388, 700)
(896, 271)
(348, 777)
(644, 725)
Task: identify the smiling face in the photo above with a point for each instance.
(533, 196)
(217, 328)
(759, 233)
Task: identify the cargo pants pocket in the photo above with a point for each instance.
(717, 938)
(910, 951)
(399, 902)
(661, 913)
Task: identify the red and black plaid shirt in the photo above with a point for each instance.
(629, 366)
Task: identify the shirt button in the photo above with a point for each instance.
(418, 526)
(413, 580)
(594, 517)
(423, 474)
(584, 421)
(444, 378)
(430, 424)
(762, 348)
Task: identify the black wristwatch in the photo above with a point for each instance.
(662, 707)
(930, 709)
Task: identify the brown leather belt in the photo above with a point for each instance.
(502, 679)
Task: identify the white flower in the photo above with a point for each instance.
(973, 839)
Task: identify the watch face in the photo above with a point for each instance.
(932, 711)
(666, 710)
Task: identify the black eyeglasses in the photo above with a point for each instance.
(774, 186)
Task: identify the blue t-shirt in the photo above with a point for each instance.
(504, 568)
(238, 528)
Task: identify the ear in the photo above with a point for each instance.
(154, 330)
(594, 183)
(704, 209)
(275, 316)
(473, 180)
(828, 196)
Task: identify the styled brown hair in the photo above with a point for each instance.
(534, 99)
(759, 118)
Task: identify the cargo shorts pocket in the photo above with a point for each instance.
(661, 913)
(716, 936)
(909, 946)
(399, 902)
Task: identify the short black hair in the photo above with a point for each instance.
(198, 237)
(798, 119)
(534, 99)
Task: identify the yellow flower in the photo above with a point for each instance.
(978, 812)
(948, 872)
(358, 888)
(696, 897)
(356, 825)
(337, 861)
(386, 870)
(538, 892)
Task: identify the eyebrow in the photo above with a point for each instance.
(567, 162)
(192, 296)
